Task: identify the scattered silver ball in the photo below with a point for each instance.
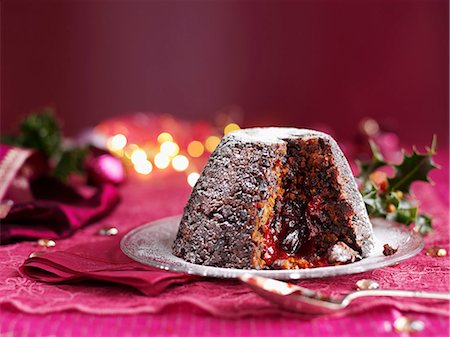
(46, 243)
(366, 284)
(108, 231)
(408, 325)
(34, 254)
(436, 251)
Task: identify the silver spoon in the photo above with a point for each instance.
(296, 298)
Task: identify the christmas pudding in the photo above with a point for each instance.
(275, 198)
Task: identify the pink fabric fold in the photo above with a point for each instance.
(44, 207)
(101, 261)
(51, 219)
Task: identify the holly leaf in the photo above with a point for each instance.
(390, 197)
(413, 168)
(403, 215)
(375, 204)
(377, 161)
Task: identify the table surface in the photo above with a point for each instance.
(185, 320)
(180, 322)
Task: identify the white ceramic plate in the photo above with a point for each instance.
(151, 244)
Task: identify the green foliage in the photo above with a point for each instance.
(413, 168)
(394, 200)
(423, 224)
(366, 168)
(71, 161)
(41, 131)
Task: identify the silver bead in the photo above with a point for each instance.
(436, 252)
(34, 254)
(108, 231)
(365, 284)
(407, 325)
(46, 243)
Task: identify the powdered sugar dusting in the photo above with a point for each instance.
(273, 135)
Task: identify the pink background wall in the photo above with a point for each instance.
(291, 63)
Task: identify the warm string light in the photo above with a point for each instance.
(230, 128)
(143, 158)
(180, 163)
(117, 142)
(138, 156)
(211, 143)
(143, 167)
(169, 148)
(129, 149)
(192, 178)
(195, 149)
(164, 137)
(161, 160)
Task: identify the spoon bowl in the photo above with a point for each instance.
(295, 298)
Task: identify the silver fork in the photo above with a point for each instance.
(300, 299)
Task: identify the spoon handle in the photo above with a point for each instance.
(397, 293)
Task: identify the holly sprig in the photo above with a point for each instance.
(42, 131)
(391, 197)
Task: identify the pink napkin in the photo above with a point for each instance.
(42, 206)
(103, 261)
(51, 219)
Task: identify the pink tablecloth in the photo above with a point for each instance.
(85, 310)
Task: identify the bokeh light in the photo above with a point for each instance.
(143, 167)
(211, 143)
(129, 149)
(195, 149)
(180, 163)
(161, 160)
(164, 137)
(169, 148)
(138, 156)
(369, 127)
(149, 146)
(230, 127)
(117, 142)
(192, 178)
